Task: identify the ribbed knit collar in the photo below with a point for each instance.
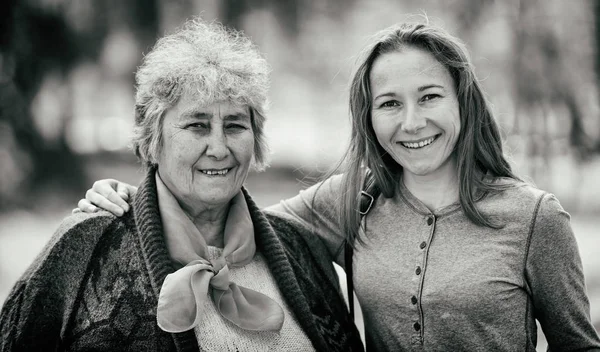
(159, 264)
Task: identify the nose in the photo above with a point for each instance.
(217, 145)
(413, 121)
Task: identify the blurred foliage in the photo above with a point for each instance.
(39, 38)
(553, 89)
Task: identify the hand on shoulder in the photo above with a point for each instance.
(107, 194)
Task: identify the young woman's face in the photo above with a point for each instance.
(415, 111)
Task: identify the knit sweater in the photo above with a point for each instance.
(217, 334)
(95, 286)
(435, 281)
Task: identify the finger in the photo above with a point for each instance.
(132, 190)
(107, 189)
(85, 206)
(118, 200)
(115, 191)
(75, 211)
(104, 186)
(127, 189)
(104, 203)
(123, 191)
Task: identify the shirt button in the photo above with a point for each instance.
(423, 245)
(417, 326)
(430, 220)
(418, 270)
(413, 300)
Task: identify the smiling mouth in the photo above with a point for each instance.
(420, 144)
(215, 172)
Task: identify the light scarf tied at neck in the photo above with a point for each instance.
(184, 292)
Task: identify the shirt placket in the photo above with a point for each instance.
(418, 278)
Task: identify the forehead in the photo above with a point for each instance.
(189, 106)
(407, 66)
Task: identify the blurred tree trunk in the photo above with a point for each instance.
(34, 43)
(545, 84)
(596, 6)
(37, 38)
(535, 54)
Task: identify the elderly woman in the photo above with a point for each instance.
(459, 254)
(196, 265)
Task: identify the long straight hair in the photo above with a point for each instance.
(478, 149)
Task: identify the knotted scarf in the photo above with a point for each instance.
(184, 292)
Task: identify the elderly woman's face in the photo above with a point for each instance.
(206, 151)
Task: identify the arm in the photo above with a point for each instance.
(316, 209)
(555, 277)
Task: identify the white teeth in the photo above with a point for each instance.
(420, 144)
(215, 172)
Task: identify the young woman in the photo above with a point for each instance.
(456, 253)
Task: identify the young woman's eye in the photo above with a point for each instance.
(390, 104)
(430, 97)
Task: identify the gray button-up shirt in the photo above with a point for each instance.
(435, 281)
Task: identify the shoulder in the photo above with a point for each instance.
(518, 189)
(92, 224)
(83, 228)
(523, 202)
(72, 243)
(324, 191)
(322, 197)
(41, 301)
(286, 227)
(525, 195)
(551, 238)
(551, 220)
(542, 209)
(514, 197)
(298, 239)
(333, 185)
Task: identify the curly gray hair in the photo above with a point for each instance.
(209, 61)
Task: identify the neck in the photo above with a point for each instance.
(210, 221)
(437, 189)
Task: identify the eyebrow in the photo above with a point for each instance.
(237, 117)
(420, 89)
(390, 94)
(240, 116)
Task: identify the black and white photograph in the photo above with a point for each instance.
(300, 175)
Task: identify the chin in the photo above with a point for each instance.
(217, 197)
(420, 170)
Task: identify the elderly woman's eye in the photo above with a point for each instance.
(197, 125)
(236, 127)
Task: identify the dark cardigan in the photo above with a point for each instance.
(95, 285)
